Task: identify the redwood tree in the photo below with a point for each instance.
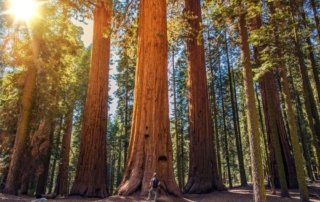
(150, 148)
(203, 169)
(20, 142)
(90, 179)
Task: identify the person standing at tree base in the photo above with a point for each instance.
(154, 187)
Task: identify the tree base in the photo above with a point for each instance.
(202, 186)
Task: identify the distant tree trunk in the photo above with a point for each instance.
(225, 132)
(252, 116)
(111, 170)
(237, 116)
(62, 181)
(215, 117)
(150, 147)
(55, 158)
(243, 179)
(45, 160)
(183, 170)
(28, 169)
(203, 170)
(176, 124)
(126, 135)
(118, 179)
(19, 148)
(90, 179)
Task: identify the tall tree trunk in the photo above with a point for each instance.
(269, 171)
(183, 170)
(215, 116)
(150, 148)
(252, 116)
(237, 115)
(274, 136)
(290, 172)
(176, 124)
(91, 179)
(304, 196)
(62, 181)
(203, 170)
(55, 158)
(303, 138)
(243, 179)
(126, 135)
(225, 132)
(20, 143)
(311, 108)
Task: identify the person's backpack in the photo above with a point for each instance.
(155, 182)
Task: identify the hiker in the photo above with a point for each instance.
(154, 187)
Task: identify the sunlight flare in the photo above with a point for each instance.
(23, 9)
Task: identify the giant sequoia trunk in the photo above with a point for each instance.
(20, 142)
(90, 179)
(150, 148)
(252, 115)
(203, 169)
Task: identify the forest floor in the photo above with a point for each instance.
(236, 194)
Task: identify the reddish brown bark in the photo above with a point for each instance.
(203, 169)
(150, 148)
(290, 170)
(20, 143)
(90, 179)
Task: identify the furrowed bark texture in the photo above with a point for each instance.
(290, 172)
(203, 169)
(20, 142)
(252, 115)
(304, 196)
(150, 148)
(275, 137)
(91, 172)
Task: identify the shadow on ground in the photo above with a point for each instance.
(236, 194)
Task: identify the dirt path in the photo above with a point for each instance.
(238, 194)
